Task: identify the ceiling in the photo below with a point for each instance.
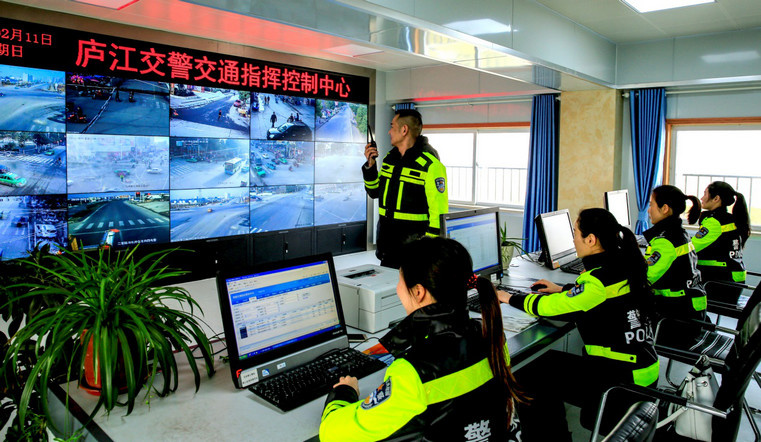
(618, 23)
(359, 33)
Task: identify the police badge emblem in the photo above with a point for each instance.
(440, 185)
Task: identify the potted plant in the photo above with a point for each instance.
(113, 303)
(508, 247)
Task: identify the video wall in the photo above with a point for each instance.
(116, 160)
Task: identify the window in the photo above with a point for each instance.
(484, 166)
(701, 152)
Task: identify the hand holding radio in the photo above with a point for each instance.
(371, 149)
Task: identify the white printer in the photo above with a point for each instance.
(368, 297)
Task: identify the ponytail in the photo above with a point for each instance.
(742, 218)
(694, 214)
(675, 199)
(494, 333)
(729, 196)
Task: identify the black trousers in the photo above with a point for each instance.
(557, 377)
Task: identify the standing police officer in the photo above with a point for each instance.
(411, 187)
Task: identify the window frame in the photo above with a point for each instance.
(475, 129)
(669, 154)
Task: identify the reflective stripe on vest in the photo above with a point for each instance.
(728, 227)
(399, 195)
(458, 383)
(405, 216)
(606, 352)
(711, 263)
(685, 249)
(700, 303)
(646, 376)
(669, 293)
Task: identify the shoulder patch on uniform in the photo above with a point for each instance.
(702, 232)
(440, 185)
(653, 258)
(379, 395)
(575, 291)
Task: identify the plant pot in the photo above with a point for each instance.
(89, 383)
(507, 256)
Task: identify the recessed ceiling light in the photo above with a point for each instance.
(642, 6)
(111, 4)
(480, 26)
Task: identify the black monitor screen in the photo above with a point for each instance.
(478, 231)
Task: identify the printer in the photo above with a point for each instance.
(368, 297)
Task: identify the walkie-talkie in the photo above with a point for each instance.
(372, 140)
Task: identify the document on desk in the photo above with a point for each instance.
(514, 320)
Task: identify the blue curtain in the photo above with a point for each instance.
(542, 182)
(648, 124)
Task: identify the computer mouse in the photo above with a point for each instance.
(537, 286)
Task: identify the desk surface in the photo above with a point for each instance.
(220, 412)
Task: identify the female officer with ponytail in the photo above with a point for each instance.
(607, 303)
(450, 379)
(672, 266)
(720, 240)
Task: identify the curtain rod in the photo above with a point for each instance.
(700, 91)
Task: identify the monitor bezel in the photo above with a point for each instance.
(628, 206)
(552, 260)
(446, 217)
(238, 365)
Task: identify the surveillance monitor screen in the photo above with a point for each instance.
(31, 99)
(208, 112)
(341, 121)
(281, 207)
(281, 162)
(209, 213)
(283, 117)
(338, 162)
(98, 104)
(32, 163)
(339, 203)
(208, 162)
(29, 221)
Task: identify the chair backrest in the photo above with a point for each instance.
(753, 301)
(637, 425)
(741, 364)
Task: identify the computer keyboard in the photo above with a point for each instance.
(474, 304)
(303, 384)
(576, 267)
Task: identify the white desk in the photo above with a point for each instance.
(220, 412)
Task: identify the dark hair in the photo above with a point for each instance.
(729, 196)
(412, 119)
(443, 267)
(619, 242)
(675, 198)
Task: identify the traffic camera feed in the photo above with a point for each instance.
(281, 162)
(209, 213)
(32, 163)
(338, 162)
(119, 219)
(112, 163)
(208, 112)
(208, 163)
(340, 121)
(26, 221)
(97, 104)
(339, 203)
(281, 207)
(282, 117)
(31, 99)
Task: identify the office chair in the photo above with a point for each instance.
(732, 353)
(637, 425)
(729, 404)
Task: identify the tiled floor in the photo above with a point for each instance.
(753, 396)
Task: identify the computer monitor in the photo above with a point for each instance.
(280, 315)
(617, 203)
(556, 237)
(478, 231)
